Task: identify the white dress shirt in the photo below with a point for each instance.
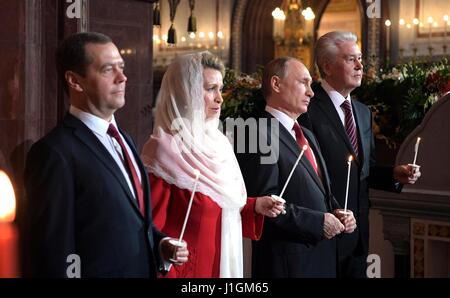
(337, 100)
(99, 128)
(288, 123)
(284, 119)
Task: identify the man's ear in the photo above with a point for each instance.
(73, 81)
(275, 83)
(326, 67)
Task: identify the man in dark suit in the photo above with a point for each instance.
(87, 190)
(301, 242)
(343, 127)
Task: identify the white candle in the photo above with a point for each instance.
(349, 165)
(430, 23)
(416, 23)
(293, 168)
(388, 35)
(445, 32)
(416, 149)
(445, 18)
(197, 174)
(402, 23)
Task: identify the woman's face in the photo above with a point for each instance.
(212, 92)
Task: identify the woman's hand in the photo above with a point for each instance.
(268, 206)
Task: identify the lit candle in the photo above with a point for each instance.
(402, 23)
(446, 23)
(219, 39)
(445, 26)
(191, 39)
(211, 36)
(430, 23)
(416, 149)
(8, 232)
(349, 166)
(388, 35)
(197, 174)
(201, 39)
(408, 31)
(416, 23)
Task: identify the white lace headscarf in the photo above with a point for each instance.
(183, 140)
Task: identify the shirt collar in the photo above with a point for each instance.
(284, 119)
(335, 96)
(98, 125)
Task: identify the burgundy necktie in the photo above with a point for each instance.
(301, 141)
(350, 126)
(112, 131)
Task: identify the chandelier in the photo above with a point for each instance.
(293, 29)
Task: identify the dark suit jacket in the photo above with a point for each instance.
(291, 245)
(78, 202)
(327, 127)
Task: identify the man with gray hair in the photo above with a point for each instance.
(300, 243)
(343, 128)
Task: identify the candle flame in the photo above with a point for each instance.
(350, 158)
(196, 173)
(418, 139)
(304, 148)
(7, 199)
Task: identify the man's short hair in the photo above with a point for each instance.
(276, 67)
(327, 47)
(71, 54)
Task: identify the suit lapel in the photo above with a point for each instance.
(326, 105)
(290, 143)
(142, 169)
(85, 136)
(321, 162)
(358, 113)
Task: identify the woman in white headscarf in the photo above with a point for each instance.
(186, 138)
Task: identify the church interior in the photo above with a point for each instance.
(405, 48)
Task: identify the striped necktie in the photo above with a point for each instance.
(112, 131)
(301, 141)
(350, 126)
